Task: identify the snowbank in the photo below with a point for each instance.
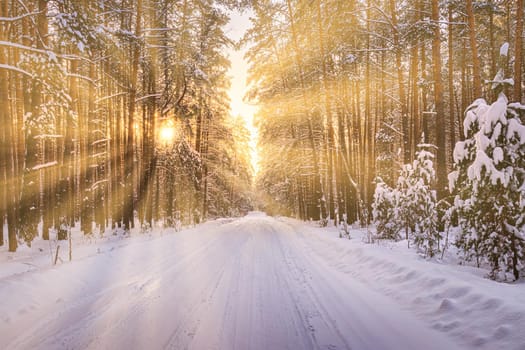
(458, 300)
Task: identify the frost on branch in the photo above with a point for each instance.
(489, 185)
(384, 213)
(411, 205)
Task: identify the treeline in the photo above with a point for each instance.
(348, 89)
(114, 112)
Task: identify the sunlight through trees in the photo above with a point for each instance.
(119, 114)
(347, 89)
(115, 114)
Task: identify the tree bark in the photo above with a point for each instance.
(441, 167)
(474, 49)
(451, 104)
(518, 47)
(5, 122)
(401, 84)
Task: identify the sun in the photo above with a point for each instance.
(167, 133)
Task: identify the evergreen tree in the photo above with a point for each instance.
(411, 205)
(383, 211)
(417, 201)
(489, 183)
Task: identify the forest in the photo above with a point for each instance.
(402, 113)
(115, 114)
(366, 107)
(354, 86)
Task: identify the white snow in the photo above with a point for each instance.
(45, 165)
(516, 129)
(477, 109)
(504, 49)
(16, 69)
(497, 112)
(252, 283)
(483, 161)
(497, 154)
(452, 179)
(500, 79)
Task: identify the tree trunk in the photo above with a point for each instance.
(492, 42)
(401, 84)
(441, 167)
(5, 122)
(451, 116)
(474, 49)
(518, 47)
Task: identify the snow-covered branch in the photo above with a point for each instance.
(15, 69)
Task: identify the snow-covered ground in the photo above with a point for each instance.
(252, 283)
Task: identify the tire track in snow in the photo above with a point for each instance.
(307, 303)
(255, 283)
(356, 308)
(189, 291)
(96, 306)
(190, 323)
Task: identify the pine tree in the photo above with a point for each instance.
(411, 205)
(426, 233)
(417, 201)
(383, 211)
(489, 183)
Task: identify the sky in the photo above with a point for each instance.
(238, 72)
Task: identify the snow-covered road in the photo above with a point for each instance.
(251, 283)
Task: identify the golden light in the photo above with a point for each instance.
(238, 73)
(167, 133)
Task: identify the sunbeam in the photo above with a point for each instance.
(238, 73)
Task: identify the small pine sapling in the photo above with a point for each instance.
(383, 211)
(417, 201)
